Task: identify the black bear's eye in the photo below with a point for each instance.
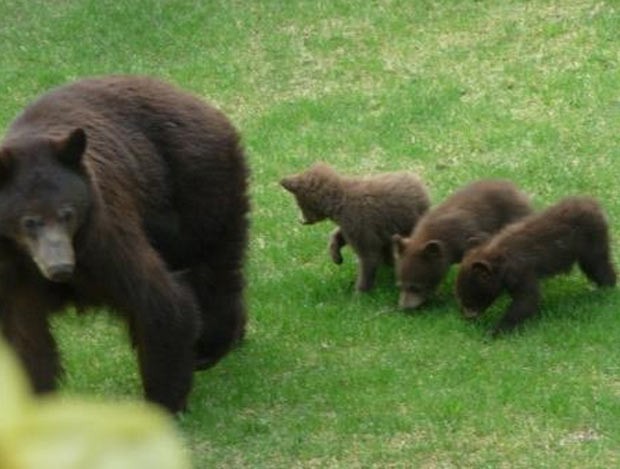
(66, 214)
(31, 223)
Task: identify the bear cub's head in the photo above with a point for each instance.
(420, 267)
(478, 284)
(44, 198)
(315, 190)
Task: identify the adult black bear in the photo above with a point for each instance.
(541, 245)
(129, 193)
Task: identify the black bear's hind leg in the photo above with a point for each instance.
(220, 295)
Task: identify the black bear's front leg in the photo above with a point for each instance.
(525, 302)
(164, 321)
(166, 362)
(28, 332)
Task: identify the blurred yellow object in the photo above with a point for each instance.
(54, 433)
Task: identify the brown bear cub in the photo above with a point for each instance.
(443, 234)
(368, 211)
(541, 245)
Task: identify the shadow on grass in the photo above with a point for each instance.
(566, 304)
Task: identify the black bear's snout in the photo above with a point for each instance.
(60, 272)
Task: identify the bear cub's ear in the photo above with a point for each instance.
(482, 269)
(290, 183)
(433, 248)
(69, 150)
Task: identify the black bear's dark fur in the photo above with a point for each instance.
(544, 244)
(129, 193)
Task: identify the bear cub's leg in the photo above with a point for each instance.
(367, 269)
(596, 265)
(336, 243)
(593, 254)
(525, 303)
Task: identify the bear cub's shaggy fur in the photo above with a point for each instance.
(368, 211)
(443, 235)
(541, 245)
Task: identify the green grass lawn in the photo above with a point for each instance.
(455, 90)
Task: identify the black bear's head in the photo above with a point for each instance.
(44, 198)
(478, 283)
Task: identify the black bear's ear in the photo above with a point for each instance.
(433, 248)
(482, 269)
(398, 245)
(71, 148)
(290, 183)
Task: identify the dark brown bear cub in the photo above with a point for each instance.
(444, 233)
(541, 245)
(128, 193)
(368, 211)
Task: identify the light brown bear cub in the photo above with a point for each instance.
(541, 245)
(444, 233)
(368, 211)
